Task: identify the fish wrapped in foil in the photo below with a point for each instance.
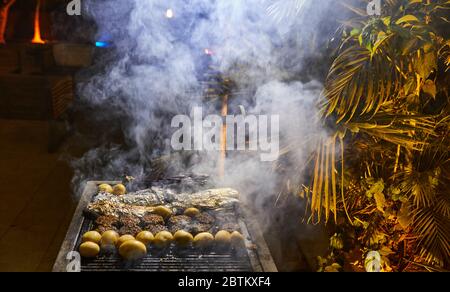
(143, 202)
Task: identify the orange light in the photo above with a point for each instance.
(37, 39)
(223, 138)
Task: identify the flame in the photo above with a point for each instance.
(37, 39)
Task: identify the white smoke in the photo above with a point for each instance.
(153, 74)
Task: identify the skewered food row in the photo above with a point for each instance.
(134, 248)
(119, 214)
(132, 223)
(160, 201)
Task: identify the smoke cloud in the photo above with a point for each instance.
(155, 67)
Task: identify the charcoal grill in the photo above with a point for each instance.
(255, 257)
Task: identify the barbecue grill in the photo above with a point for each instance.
(254, 257)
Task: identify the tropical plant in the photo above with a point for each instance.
(386, 100)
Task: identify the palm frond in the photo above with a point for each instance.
(407, 131)
(434, 230)
(360, 83)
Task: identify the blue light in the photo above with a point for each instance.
(101, 44)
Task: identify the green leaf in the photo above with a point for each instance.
(378, 187)
(409, 86)
(386, 251)
(334, 268)
(430, 88)
(407, 18)
(414, 1)
(425, 65)
(386, 20)
(380, 201)
(409, 46)
(355, 32)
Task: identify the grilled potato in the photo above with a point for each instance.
(132, 250)
(183, 238)
(203, 240)
(237, 239)
(163, 239)
(163, 212)
(89, 249)
(119, 190)
(146, 237)
(109, 239)
(223, 237)
(92, 236)
(105, 188)
(192, 212)
(123, 239)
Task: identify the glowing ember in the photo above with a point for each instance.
(169, 13)
(37, 39)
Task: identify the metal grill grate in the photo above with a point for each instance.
(170, 260)
(254, 257)
(171, 263)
